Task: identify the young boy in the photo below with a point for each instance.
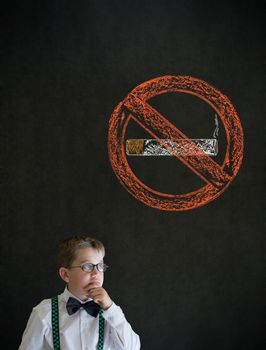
(88, 319)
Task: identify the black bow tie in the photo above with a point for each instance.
(73, 305)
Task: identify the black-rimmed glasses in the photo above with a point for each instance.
(89, 267)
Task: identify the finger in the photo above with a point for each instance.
(95, 294)
(93, 285)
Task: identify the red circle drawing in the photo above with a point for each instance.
(217, 177)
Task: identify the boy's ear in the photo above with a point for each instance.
(63, 272)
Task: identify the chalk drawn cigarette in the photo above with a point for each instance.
(153, 147)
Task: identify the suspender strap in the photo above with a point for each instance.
(55, 322)
(101, 330)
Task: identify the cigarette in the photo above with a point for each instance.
(154, 147)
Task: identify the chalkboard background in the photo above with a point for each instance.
(185, 280)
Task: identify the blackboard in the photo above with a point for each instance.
(185, 279)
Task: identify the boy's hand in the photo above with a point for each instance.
(101, 297)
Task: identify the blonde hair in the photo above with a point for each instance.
(68, 248)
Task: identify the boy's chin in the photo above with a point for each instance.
(83, 295)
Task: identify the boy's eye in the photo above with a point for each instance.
(89, 267)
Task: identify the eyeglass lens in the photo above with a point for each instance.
(88, 267)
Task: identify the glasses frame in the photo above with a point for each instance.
(105, 267)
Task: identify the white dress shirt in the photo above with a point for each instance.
(78, 331)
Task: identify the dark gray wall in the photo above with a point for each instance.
(186, 280)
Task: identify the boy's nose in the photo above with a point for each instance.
(94, 271)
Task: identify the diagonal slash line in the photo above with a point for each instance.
(156, 125)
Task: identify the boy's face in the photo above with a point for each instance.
(80, 282)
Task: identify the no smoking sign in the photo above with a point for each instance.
(217, 177)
